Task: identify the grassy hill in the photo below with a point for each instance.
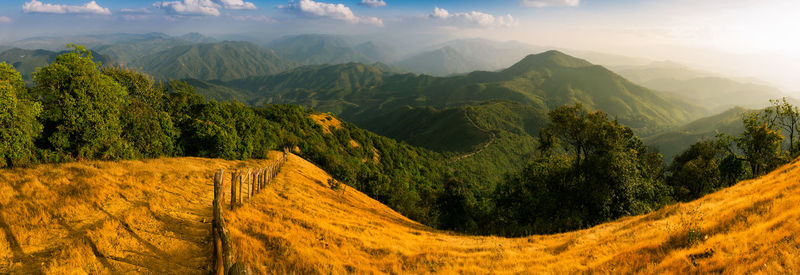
(153, 217)
(208, 61)
(150, 216)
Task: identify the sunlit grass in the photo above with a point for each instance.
(300, 225)
(153, 216)
(149, 216)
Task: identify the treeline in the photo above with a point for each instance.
(588, 168)
(75, 111)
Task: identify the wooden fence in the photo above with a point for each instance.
(251, 182)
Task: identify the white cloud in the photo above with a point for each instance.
(35, 6)
(237, 5)
(5, 19)
(373, 3)
(190, 7)
(327, 10)
(551, 3)
(473, 18)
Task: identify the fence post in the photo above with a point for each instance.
(233, 189)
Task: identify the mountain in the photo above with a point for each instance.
(493, 54)
(130, 50)
(26, 61)
(311, 49)
(480, 119)
(717, 93)
(208, 61)
(440, 62)
(89, 41)
(671, 143)
(542, 81)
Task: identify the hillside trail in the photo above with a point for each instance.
(150, 216)
(480, 149)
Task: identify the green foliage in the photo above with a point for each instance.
(594, 153)
(146, 124)
(760, 143)
(698, 171)
(18, 125)
(82, 108)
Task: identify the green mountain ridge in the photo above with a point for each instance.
(223, 60)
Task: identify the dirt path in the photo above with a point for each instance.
(457, 158)
(149, 216)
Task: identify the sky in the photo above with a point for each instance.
(754, 38)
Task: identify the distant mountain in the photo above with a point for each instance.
(127, 51)
(26, 61)
(493, 54)
(208, 61)
(673, 142)
(467, 55)
(716, 93)
(361, 92)
(89, 41)
(440, 62)
(313, 49)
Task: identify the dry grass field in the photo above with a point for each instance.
(299, 225)
(153, 216)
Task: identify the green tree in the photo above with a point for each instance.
(145, 123)
(787, 117)
(759, 144)
(82, 108)
(697, 171)
(18, 125)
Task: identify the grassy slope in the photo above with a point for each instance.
(149, 216)
(301, 225)
(152, 216)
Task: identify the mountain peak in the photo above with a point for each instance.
(548, 59)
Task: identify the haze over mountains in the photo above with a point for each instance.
(450, 96)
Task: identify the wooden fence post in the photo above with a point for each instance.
(233, 189)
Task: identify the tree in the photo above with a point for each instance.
(456, 203)
(787, 117)
(82, 108)
(759, 144)
(697, 171)
(18, 125)
(146, 125)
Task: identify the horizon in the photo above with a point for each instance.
(741, 38)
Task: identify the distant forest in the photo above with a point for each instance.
(587, 168)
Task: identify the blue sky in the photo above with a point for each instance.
(710, 32)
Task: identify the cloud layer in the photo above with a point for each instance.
(35, 6)
(551, 3)
(473, 18)
(5, 19)
(327, 10)
(203, 7)
(373, 3)
(237, 5)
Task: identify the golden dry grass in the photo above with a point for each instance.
(153, 216)
(299, 225)
(326, 121)
(94, 217)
